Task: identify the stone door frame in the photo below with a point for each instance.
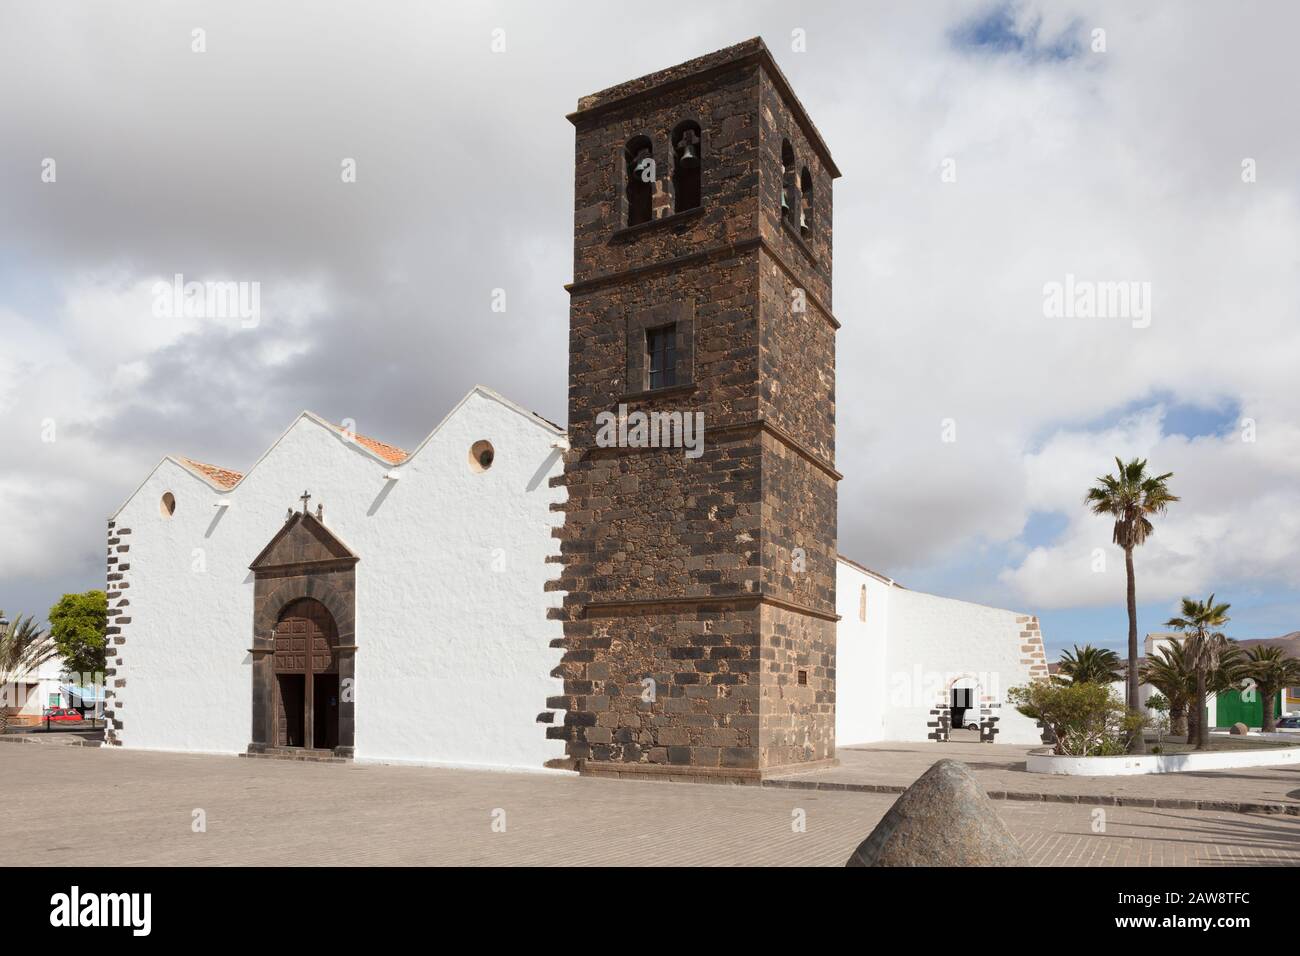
(317, 566)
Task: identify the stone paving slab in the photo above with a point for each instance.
(1000, 769)
(271, 812)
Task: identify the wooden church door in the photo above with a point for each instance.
(307, 676)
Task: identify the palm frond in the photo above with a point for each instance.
(23, 648)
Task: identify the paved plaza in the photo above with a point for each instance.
(1000, 769)
(80, 805)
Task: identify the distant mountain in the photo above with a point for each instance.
(1288, 642)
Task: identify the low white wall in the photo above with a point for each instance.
(1044, 761)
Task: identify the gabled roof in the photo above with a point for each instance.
(882, 578)
(225, 479)
(390, 453)
(214, 474)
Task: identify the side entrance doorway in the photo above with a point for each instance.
(963, 702)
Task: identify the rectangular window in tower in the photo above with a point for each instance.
(661, 356)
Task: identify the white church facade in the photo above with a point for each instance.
(436, 645)
(513, 594)
(440, 643)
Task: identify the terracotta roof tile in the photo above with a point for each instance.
(214, 473)
(390, 453)
(225, 478)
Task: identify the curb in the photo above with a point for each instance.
(28, 739)
(1103, 800)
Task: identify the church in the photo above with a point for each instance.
(514, 594)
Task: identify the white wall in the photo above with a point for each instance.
(893, 669)
(32, 694)
(860, 684)
(454, 653)
(935, 640)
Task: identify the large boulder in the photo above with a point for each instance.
(944, 819)
(1239, 729)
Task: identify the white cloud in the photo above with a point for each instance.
(1123, 165)
(1234, 527)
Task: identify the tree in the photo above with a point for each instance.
(78, 624)
(1204, 646)
(1160, 704)
(1272, 671)
(1225, 675)
(1086, 719)
(1131, 498)
(23, 648)
(1170, 673)
(1090, 665)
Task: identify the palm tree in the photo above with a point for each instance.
(23, 648)
(1170, 672)
(1204, 647)
(1090, 665)
(1131, 497)
(1226, 674)
(1271, 670)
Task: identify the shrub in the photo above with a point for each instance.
(1086, 719)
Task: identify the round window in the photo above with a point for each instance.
(168, 504)
(481, 454)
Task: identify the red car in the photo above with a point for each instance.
(61, 713)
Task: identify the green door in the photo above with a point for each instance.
(1230, 708)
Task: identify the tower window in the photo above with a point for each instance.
(686, 166)
(638, 157)
(862, 604)
(661, 355)
(788, 191)
(805, 202)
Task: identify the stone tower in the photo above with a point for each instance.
(699, 581)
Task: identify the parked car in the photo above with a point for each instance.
(61, 713)
(1288, 723)
(972, 719)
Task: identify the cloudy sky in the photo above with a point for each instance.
(988, 150)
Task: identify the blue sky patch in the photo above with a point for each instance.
(995, 32)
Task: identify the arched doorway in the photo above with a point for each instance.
(964, 708)
(306, 665)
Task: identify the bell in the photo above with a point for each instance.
(803, 219)
(785, 202)
(690, 158)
